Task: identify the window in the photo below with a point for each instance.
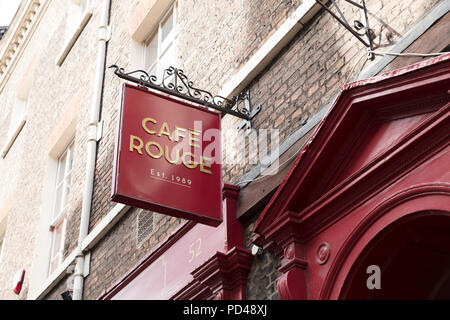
(160, 48)
(78, 15)
(18, 118)
(75, 9)
(61, 192)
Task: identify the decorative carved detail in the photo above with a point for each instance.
(18, 36)
(225, 274)
(292, 285)
(286, 236)
(323, 253)
(289, 252)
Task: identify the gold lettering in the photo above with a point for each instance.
(168, 158)
(204, 164)
(189, 165)
(171, 156)
(144, 125)
(137, 147)
(164, 130)
(178, 134)
(192, 138)
(157, 145)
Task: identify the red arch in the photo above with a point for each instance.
(407, 204)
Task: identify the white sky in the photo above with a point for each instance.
(7, 10)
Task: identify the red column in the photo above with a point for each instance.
(287, 245)
(224, 275)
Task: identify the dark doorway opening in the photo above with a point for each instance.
(413, 255)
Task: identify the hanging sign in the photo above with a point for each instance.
(168, 157)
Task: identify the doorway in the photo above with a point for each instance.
(413, 256)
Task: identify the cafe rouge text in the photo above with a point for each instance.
(146, 145)
(162, 162)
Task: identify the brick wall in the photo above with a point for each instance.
(261, 279)
(225, 34)
(120, 251)
(311, 69)
(24, 167)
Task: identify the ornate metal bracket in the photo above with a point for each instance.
(245, 95)
(176, 83)
(365, 37)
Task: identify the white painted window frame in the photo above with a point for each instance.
(162, 46)
(59, 218)
(70, 39)
(12, 136)
(18, 114)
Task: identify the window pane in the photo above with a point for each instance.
(153, 70)
(159, 50)
(61, 168)
(168, 59)
(151, 52)
(66, 190)
(69, 160)
(58, 200)
(54, 264)
(166, 27)
(57, 239)
(63, 180)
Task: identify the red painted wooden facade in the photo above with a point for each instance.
(371, 187)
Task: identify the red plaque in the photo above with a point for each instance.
(168, 157)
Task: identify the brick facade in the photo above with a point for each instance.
(214, 42)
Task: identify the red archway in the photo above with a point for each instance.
(375, 173)
(413, 257)
(391, 231)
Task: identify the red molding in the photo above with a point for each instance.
(294, 185)
(389, 205)
(222, 277)
(421, 144)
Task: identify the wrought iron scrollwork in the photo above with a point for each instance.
(175, 82)
(365, 37)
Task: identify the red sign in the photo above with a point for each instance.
(171, 270)
(168, 157)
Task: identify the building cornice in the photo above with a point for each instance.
(19, 37)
